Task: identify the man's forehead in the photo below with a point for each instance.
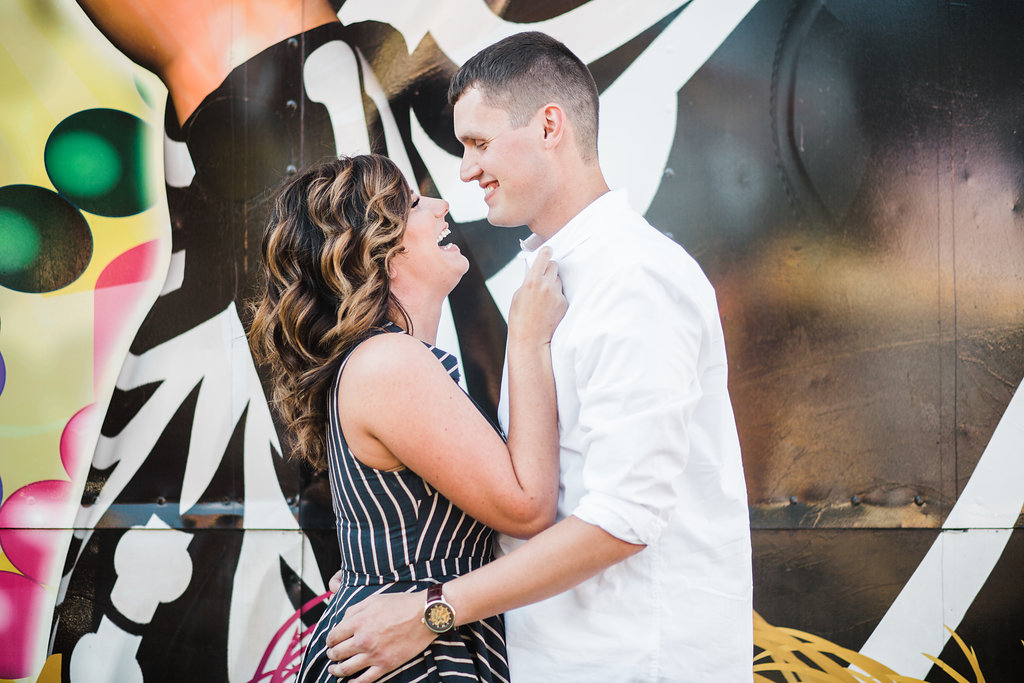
(475, 118)
(471, 100)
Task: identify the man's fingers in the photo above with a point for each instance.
(370, 675)
(343, 650)
(339, 633)
(352, 666)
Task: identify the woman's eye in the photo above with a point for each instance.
(414, 203)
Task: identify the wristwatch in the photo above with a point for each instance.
(438, 615)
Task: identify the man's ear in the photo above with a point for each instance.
(554, 122)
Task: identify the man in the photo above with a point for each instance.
(646, 576)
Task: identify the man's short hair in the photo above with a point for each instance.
(522, 73)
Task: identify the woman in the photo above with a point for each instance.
(356, 273)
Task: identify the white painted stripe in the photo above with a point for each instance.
(179, 170)
(961, 558)
(175, 273)
(655, 78)
(448, 337)
(331, 77)
(392, 136)
(463, 27)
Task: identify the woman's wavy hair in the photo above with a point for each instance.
(326, 252)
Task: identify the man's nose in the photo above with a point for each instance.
(468, 169)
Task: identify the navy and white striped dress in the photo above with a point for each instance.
(398, 534)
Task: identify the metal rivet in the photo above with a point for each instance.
(792, 500)
(292, 105)
(918, 500)
(161, 501)
(855, 500)
(290, 169)
(293, 42)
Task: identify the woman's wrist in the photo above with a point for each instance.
(527, 339)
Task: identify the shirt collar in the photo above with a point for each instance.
(579, 228)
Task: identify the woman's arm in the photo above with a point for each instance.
(399, 407)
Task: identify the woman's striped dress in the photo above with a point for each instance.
(397, 534)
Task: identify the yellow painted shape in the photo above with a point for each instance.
(47, 348)
(5, 564)
(50, 672)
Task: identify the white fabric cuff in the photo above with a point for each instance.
(629, 522)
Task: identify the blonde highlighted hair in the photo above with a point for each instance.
(326, 252)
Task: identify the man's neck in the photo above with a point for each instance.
(575, 197)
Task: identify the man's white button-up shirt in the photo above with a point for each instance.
(649, 453)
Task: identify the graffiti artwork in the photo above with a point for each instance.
(850, 176)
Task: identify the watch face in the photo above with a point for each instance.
(440, 617)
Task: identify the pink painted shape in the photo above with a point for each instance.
(31, 526)
(292, 658)
(118, 290)
(76, 442)
(134, 265)
(21, 612)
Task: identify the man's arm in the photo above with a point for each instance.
(384, 631)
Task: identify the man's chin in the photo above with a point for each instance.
(499, 220)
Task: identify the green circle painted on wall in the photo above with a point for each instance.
(45, 242)
(20, 241)
(85, 165)
(95, 160)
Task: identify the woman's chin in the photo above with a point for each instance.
(460, 272)
(459, 262)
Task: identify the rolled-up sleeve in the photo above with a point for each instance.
(638, 384)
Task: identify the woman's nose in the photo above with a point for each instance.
(441, 208)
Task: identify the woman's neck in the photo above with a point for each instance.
(423, 320)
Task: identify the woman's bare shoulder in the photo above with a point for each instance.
(391, 358)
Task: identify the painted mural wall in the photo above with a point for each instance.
(850, 175)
